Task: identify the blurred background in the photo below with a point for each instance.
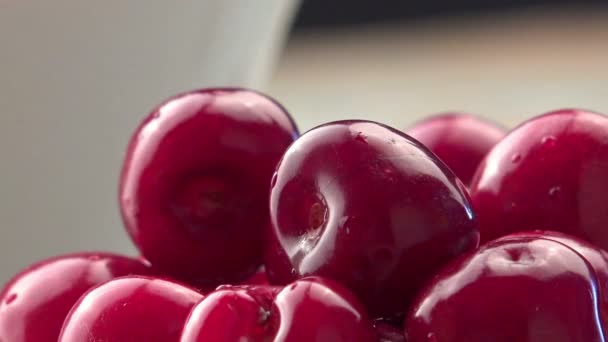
(73, 87)
(397, 61)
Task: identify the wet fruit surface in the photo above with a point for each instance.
(35, 302)
(525, 289)
(596, 257)
(550, 173)
(131, 309)
(308, 310)
(194, 185)
(357, 202)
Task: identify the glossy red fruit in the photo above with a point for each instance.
(524, 289)
(596, 257)
(459, 140)
(308, 310)
(366, 205)
(130, 309)
(195, 183)
(35, 302)
(550, 173)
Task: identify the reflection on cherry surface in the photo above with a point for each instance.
(307, 310)
(520, 288)
(595, 256)
(366, 205)
(550, 173)
(35, 302)
(194, 184)
(131, 309)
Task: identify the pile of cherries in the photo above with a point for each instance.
(353, 231)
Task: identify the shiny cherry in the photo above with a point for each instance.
(596, 257)
(459, 140)
(195, 183)
(35, 302)
(524, 289)
(550, 173)
(370, 207)
(308, 310)
(131, 309)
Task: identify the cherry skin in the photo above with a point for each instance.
(239, 313)
(459, 140)
(524, 289)
(368, 206)
(596, 257)
(35, 302)
(550, 173)
(195, 183)
(308, 310)
(131, 309)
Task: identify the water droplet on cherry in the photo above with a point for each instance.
(516, 158)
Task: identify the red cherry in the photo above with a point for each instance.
(459, 140)
(550, 173)
(195, 183)
(524, 289)
(35, 302)
(366, 205)
(130, 309)
(596, 257)
(308, 310)
(239, 313)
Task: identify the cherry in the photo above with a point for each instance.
(524, 289)
(35, 302)
(459, 140)
(195, 183)
(550, 173)
(596, 257)
(130, 309)
(308, 310)
(368, 206)
(240, 313)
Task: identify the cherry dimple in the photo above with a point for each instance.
(385, 204)
(501, 293)
(195, 183)
(208, 200)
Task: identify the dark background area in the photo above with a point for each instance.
(339, 13)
